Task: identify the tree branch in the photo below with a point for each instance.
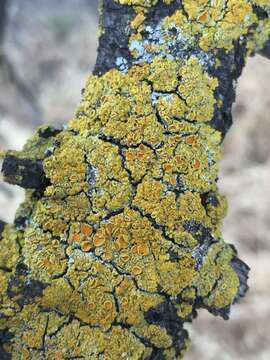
(266, 50)
(123, 245)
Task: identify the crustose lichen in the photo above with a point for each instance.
(118, 241)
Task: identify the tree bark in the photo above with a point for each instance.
(266, 50)
(118, 242)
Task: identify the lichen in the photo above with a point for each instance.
(124, 244)
(202, 26)
(142, 5)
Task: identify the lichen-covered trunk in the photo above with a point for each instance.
(118, 242)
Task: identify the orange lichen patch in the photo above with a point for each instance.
(142, 249)
(136, 270)
(109, 228)
(190, 140)
(54, 215)
(197, 164)
(25, 354)
(124, 303)
(188, 157)
(92, 306)
(99, 240)
(129, 155)
(124, 257)
(86, 246)
(78, 351)
(203, 17)
(172, 180)
(57, 355)
(140, 161)
(108, 255)
(142, 148)
(167, 167)
(45, 260)
(76, 238)
(122, 242)
(108, 305)
(55, 243)
(86, 229)
(128, 249)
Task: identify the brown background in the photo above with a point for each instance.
(51, 47)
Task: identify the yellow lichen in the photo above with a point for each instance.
(217, 274)
(138, 20)
(210, 25)
(142, 5)
(130, 222)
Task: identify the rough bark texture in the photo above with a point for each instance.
(118, 242)
(266, 49)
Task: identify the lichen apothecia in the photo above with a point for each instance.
(123, 244)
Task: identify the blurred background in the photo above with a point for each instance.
(47, 49)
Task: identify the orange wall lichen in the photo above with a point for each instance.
(118, 231)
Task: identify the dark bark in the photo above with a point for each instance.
(266, 50)
(27, 173)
